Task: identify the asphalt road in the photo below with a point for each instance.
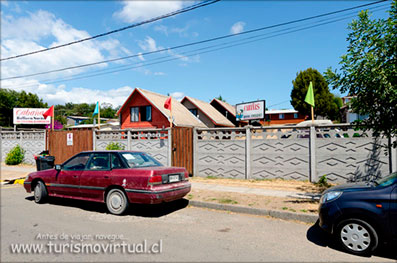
(183, 233)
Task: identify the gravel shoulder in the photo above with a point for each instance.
(288, 203)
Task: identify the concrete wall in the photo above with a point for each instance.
(33, 142)
(155, 142)
(338, 152)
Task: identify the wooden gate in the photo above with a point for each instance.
(62, 148)
(182, 148)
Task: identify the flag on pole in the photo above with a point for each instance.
(96, 109)
(167, 104)
(310, 95)
(50, 112)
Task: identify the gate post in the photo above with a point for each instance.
(170, 147)
(93, 139)
(195, 138)
(312, 154)
(393, 156)
(247, 152)
(129, 140)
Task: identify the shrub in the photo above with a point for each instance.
(15, 156)
(323, 181)
(115, 146)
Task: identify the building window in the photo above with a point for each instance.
(193, 111)
(146, 113)
(295, 115)
(143, 113)
(281, 116)
(134, 114)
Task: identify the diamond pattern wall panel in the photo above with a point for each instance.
(32, 142)
(348, 155)
(279, 153)
(155, 143)
(220, 154)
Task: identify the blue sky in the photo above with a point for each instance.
(259, 70)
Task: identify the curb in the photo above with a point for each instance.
(13, 181)
(256, 211)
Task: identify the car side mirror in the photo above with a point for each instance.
(58, 167)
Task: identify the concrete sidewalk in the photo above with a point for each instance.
(8, 172)
(253, 190)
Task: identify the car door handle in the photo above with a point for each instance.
(75, 176)
(106, 177)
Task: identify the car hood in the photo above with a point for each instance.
(349, 187)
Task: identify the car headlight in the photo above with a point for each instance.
(330, 196)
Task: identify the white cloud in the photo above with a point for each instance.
(162, 28)
(4, 2)
(134, 11)
(237, 28)
(181, 31)
(141, 58)
(26, 34)
(149, 44)
(178, 95)
(159, 73)
(61, 94)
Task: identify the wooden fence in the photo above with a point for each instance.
(62, 148)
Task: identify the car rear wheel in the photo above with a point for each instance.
(357, 236)
(116, 201)
(40, 192)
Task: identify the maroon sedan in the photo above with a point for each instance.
(114, 177)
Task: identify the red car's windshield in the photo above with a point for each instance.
(137, 159)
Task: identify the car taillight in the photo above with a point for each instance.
(186, 175)
(154, 180)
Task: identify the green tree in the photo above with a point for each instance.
(10, 99)
(107, 111)
(324, 100)
(368, 71)
(220, 98)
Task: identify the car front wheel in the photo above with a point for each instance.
(357, 237)
(40, 192)
(116, 202)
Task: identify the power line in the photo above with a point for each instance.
(196, 43)
(139, 65)
(180, 11)
(279, 103)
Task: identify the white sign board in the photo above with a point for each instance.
(254, 110)
(30, 116)
(69, 139)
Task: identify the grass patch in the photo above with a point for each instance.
(189, 196)
(212, 177)
(285, 208)
(227, 201)
(303, 210)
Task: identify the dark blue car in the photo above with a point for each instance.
(361, 215)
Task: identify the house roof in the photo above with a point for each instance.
(227, 106)
(213, 114)
(182, 116)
